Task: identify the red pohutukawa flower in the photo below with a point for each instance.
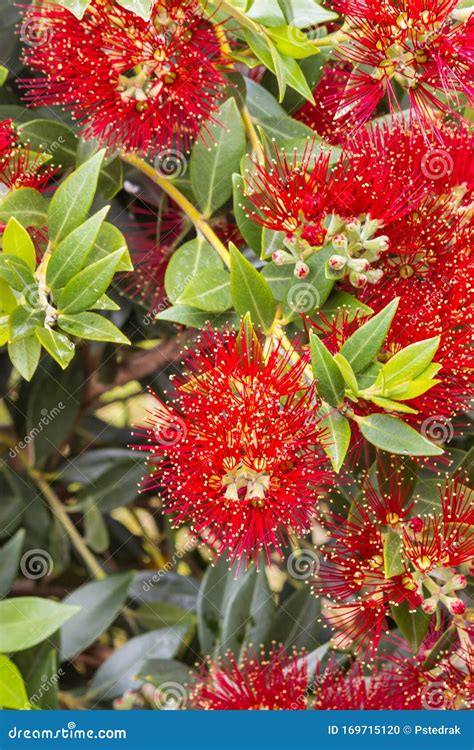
(338, 689)
(361, 593)
(394, 205)
(258, 682)
(18, 167)
(423, 46)
(238, 457)
(136, 84)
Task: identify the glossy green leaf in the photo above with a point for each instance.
(88, 285)
(407, 364)
(347, 372)
(141, 8)
(116, 675)
(250, 292)
(26, 205)
(250, 231)
(413, 625)
(293, 42)
(28, 620)
(58, 346)
(10, 555)
(391, 434)
(392, 555)
(23, 322)
(192, 258)
(336, 435)
(16, 273)
(362, 347)
(88, 325)
(216, 157)
(209, 290)
(190, 316)
(108, 241)
(77, 7)
(418, 386)
(98, 603)
(12, 687)
(25, 355)
(330, 383)
(71, 254)
(73, 198)
(51, 136)
(17, 242)
(389, 405)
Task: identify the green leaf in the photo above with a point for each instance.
(28, 620)
(88, 285)
(110, 178)
(25, 355)
(209, 290)
(392, 555)
(23, 322)
(392, 435)
(212, 166)
(413, 625)
(251, 232)
(26, 205)
(51, 137)
(59, 347)
(3, 75)
(52, 406)
(8, 301)
(157, 615)
(337, 435)
(347, 372)
(12, 688)
(9, 560)
(108, 241)
(330, 383)
(293, 42)
(294, 77)
(88, 325)
(17, 242)
(362, 347)
(190, 316)
(210, 605)
(17, 274)
(187, 262)
(249, 609)
(441, 648)
(99, 603)
(389, 405)
(71, 254)
(407, 364)
(418, 386)
(343, 301)
(250, 292)
(73, 198)
(141, 8)
(38, 666)
(116, 675)
(77, 7)
(105, 303)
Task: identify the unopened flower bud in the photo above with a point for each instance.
(429, 605)
(280, 257)
(353, 228)
(339, 242)
(378, 245)
(337, 262)
(374, 276)
(359, 280)
(360, 265)
(369, 228)
(335, 225)
(301, 270)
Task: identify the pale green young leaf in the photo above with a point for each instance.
(89, 325)
(362, 347)
(329, 381)
(84, 289)
(25, 355)
(26, 205)
(17, 242)
(58, 346)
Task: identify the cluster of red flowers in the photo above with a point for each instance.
(423, 46)
(277, 681)
(243, 464)
(354, 575)
(136, 84)
(18, 166)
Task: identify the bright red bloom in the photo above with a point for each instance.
(337, 689)
(238, 458)
(18, 168)
(140, 85)
(257, 682)
(417, 44)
